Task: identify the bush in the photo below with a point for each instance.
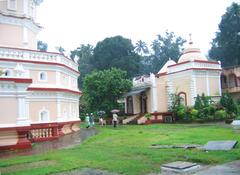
(220, 115)
(193, 113)
(147, 116)
(229, 104)
(181, 112)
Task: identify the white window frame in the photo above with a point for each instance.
(9, 6)
(40, 115)
(39, 76)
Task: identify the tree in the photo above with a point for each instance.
(102, 89)
(41, 46)
(85, 54)
(141, 47)
(116, 52)
(165, 47)
(226, 44)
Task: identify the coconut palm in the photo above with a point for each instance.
(141, 47)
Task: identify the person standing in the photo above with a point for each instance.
(115, 120)
(87, 120)
(92, 120)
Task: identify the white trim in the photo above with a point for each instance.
(193, 88)
(20, 22)
(207, 84)
(9, 6)
(25, 7)
(153, 92)
(12, 125)
(56, 121)
(25, 37)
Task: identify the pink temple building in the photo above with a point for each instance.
(39, 96)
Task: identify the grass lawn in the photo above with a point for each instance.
(126, 150)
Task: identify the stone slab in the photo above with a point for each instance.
(179, 166)
(220, 145)
(189, 146)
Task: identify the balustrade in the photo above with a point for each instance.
(31, 55)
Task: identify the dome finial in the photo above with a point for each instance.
(190, 39)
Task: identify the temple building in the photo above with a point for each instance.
(193, 74)
(39, 96)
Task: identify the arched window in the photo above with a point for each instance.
(232, 80)
(44, 115)
(223, 81)
(7, 73)
(183, 98)
(42, 76)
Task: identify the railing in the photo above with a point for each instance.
(34, 55)
(141, 81)
(43, 132)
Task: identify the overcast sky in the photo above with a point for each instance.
(69, 23)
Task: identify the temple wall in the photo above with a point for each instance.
(16, 33)
(8, 110)
(214, 86)
(35, 107)
(183, 84)
(51, 77)
(162, 94)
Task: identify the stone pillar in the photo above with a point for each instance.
(153, 92)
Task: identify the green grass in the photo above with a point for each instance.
(126, 150)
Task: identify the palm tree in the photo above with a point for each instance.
(141, 47)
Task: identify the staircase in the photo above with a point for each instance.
(135, 120)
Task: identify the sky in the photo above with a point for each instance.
(69, 23)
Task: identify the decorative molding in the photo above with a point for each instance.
(19, 21)
(54, 90)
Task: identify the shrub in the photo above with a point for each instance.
(219, 115)
(229, 104)
(193, 113)
(147, 116)
(181, 112)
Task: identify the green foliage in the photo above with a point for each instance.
(41, 46)
(85, 54)
(181, 112)
(229, 104)
(219, 115)
(226, 45)
(102, 89)
(175, 103)
(164, 47)
(116, 52)
(193, 114)
(147, 116)
(141, 47)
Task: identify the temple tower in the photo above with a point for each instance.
(17, 22)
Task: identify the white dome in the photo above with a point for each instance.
(192, 53)
(164, 68)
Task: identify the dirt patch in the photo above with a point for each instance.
(25, 166)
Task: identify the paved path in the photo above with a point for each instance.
(65, 141)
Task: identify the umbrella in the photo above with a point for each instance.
(115, 111)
